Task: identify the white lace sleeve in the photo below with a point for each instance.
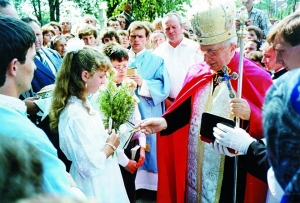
(82, 138)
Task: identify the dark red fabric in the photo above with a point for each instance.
(172, 149)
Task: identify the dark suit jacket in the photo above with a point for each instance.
(129, 19)
(42, 75)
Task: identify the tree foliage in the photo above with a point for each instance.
(288, 7)
(146, 9)
(88, 6)
(49, 10)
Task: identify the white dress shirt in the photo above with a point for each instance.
(178, 60)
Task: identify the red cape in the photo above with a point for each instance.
(172, 149)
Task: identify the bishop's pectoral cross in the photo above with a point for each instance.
(227, 79)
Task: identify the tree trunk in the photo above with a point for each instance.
(52, 9)
(57, 11)
(37, 10)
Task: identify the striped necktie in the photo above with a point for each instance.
(42, 59)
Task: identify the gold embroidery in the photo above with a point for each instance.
(205, 167)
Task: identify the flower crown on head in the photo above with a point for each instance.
(74, 45)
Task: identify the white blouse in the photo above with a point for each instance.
(82, 138)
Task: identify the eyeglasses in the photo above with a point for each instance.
(212, 53)
(65, 23)
(121, 68)
(156, 41)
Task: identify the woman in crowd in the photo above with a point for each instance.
(48, 33)
(56, 26)
(59, 43)
(83, 138)
(109, 34)
(123, 34)
(157, 24)
(254, 33)
(157, 38)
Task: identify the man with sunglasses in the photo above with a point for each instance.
(191, 170)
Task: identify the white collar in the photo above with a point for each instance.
(87, 104)
(134, 55)
(184, 41)
(13, 103)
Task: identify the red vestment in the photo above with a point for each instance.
(172, 149)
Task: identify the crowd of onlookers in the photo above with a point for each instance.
(56, 34)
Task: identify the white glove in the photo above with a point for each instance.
(221, 149)
(235, 138)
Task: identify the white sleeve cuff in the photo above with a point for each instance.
(144, 90)
(122, 158)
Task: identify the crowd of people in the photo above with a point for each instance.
(58, 147)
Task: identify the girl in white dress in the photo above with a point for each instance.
(82, 136)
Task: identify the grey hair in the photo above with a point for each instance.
(172, 13)
(232, 40)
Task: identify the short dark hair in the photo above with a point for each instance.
(258, 43)
(30, 20)
(16, 37)
(259, 33)
(110, 33)
(115, 52)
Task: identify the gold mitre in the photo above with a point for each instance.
(215, 23)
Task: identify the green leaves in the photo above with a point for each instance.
(146, 10)
(117, 103)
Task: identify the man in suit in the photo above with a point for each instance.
(47, 63)
(47, 60)
(127, 14)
